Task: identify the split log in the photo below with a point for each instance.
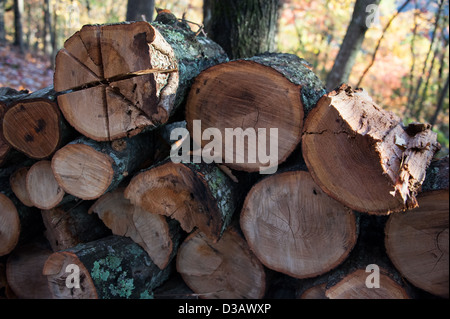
(158, 236)
(197, 195)
(362, 156)
(267, 92)
(225, 269)
(24, 271)
(70, 224)
(42, 188)
(293, 227)
(111, 267)
(87, 169)
(116, 80)
(417, 241)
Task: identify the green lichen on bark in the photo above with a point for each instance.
(194, 53)
(297, 71)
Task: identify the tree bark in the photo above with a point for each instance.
(243, 28)
(293, 227)
(367, 144)
(2, 22)
(417, 241)
(158, 236)
(69, 224)
(140, 10)
(261, 93)
(111, 267)
(18, 25)
(228, 269)
(197, 195)
(87, 169)
(115, 91)
(351, 45)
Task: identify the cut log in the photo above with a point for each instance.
(4, 146)
(18, 182)
(119, 79)
(35, 127)
(42, 188)
(417, 241)
(197, 195)
(257, 95)
(293, 227)
(9, 225)
(225, 269)
(87, 169)
(69, 224)
(158, 236)
(362, 156)
(24, 271)
(111, 267)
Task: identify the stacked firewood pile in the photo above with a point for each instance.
(155, 167)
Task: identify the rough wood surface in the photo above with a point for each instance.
(294, 227)
(111, 267)
(362, 156)
(158, 236)
(18, 183)
(197, 195)
(267, 92)
(9, 225)
(228, 269)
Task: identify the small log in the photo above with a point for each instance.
(35, 127)
(9, 225)
(69, 224)
(116, 80)
(293, 227)
(111, 267)
(158, 236)
(88, 169)
(267, 92)
(196, 195)
(4, 146)
(225, 269)
(18, 182)
(417, 241)
(42, 188)
(362, 156)
(24, 271)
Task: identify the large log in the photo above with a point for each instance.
(362, 156)
(158, 236)
(225, 269)
(295, 228)
(116, 80)
(197, 195)
(264, 93)
(111, 267)
(417, 241)
(87, 169)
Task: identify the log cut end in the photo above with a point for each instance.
(295, 228)
(362, 156)
(417, 242)
(18, 182)
(354, 286)
(228, 269)
(33, 127)
(9, 225)
(42, 188)
(118, 79)
(242, 95)
(176, 191)
(82, 171)
(4, 146)
(150, 231)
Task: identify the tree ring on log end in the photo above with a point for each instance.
(9, 225)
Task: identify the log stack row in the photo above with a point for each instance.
(284, 190)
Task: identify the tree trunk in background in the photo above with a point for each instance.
(2, 22)
(440, 103)
(224, 24)
(351, 44)
(47, 29)
(136, 9)
(18, 13)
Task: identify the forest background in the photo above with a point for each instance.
(403, 61)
